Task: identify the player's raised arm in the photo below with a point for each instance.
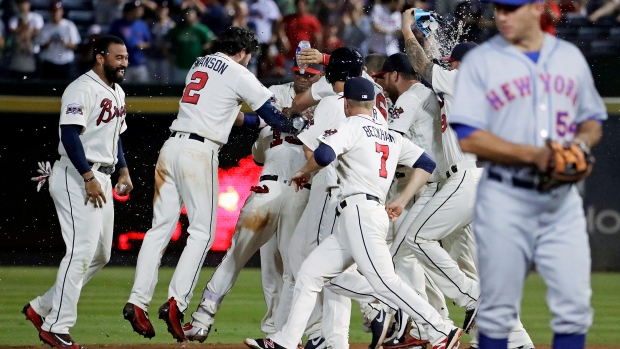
(415, 52)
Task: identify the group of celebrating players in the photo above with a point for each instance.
(365, 194)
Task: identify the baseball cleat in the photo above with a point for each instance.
(451, 341)
(139, 320)
(169, 312)
(195, 333)
(470, 317)
(32, 316)
(403, 337)
(262, 344)
(526, 346)
(58, 340)
(379, 327)
(316, 343)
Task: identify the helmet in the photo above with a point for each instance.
(344, 63)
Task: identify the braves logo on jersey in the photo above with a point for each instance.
(106, 109)
(395, 113)
(329, 132)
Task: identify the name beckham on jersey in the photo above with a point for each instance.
(375, 132)
(522, 87)
(211, 62)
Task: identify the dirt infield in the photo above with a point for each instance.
(237, 346)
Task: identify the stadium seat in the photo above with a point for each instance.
(614, 34)
(578, 22)
(81, 16)
(604, 47)
(566, 33)
(591, 33)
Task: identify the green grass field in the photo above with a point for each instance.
(100, 310)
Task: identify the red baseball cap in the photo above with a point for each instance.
(311, 69)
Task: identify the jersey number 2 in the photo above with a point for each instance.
(385, 152)
(191, 95)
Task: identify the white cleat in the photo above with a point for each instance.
(195, 333)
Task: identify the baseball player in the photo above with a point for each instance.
(505, 113)
(273, 208)
(186, 172)
(330, 321)
(362, 218)
(92, 117)
(460, 244)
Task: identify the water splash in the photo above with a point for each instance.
(442, 40)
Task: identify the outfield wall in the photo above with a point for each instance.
(29, 230)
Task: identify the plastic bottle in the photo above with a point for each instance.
(302, 44)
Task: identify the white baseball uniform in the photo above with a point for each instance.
(86, 230)
(186, 172)
(360, 141)
(273, 208)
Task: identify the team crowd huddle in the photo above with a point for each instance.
(400, 182)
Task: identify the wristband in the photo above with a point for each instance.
(89, 179)
(325, 58)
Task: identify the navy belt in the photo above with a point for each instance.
(191, 136)
(103, 169)
(275, 178)
(343, 203)
(516, 182)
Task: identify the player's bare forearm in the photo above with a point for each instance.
(590, 133)
(303, 175)
(418, 179)
(489, 147)
(415, 52)
(301, 102)
(308, 153)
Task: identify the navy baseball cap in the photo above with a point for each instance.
(459, 51)
(398, 62)
(359, 89)
(511, 2)
(312, 68)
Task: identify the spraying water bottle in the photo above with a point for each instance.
(426, 21)
(302, 44)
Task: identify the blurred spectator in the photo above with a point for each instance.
(329, 11)
(475, 24)
(270, 62)
(264, 14)
(23, 62)
(550, 17)
(197, 5)
(137, 36)
(218, 15)
(85, 53)
(24, 15)
(287, 7)
(59, 38)
(2, 38)
(610, 7)
(573, 8)
(108, 11)
(296, 27)
(386, 19)
(240, 18)
(355, 26)
(331, 40)
(158, 63)
(186, 42)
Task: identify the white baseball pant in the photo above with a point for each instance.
(186, 174)
(87, 233)
(359, 238)
(271, 270)
(263, 215)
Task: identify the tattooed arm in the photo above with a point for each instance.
(417, 57)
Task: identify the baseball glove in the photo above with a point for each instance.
(569, 163)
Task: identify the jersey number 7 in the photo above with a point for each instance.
(385, 152)
(191, 95)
